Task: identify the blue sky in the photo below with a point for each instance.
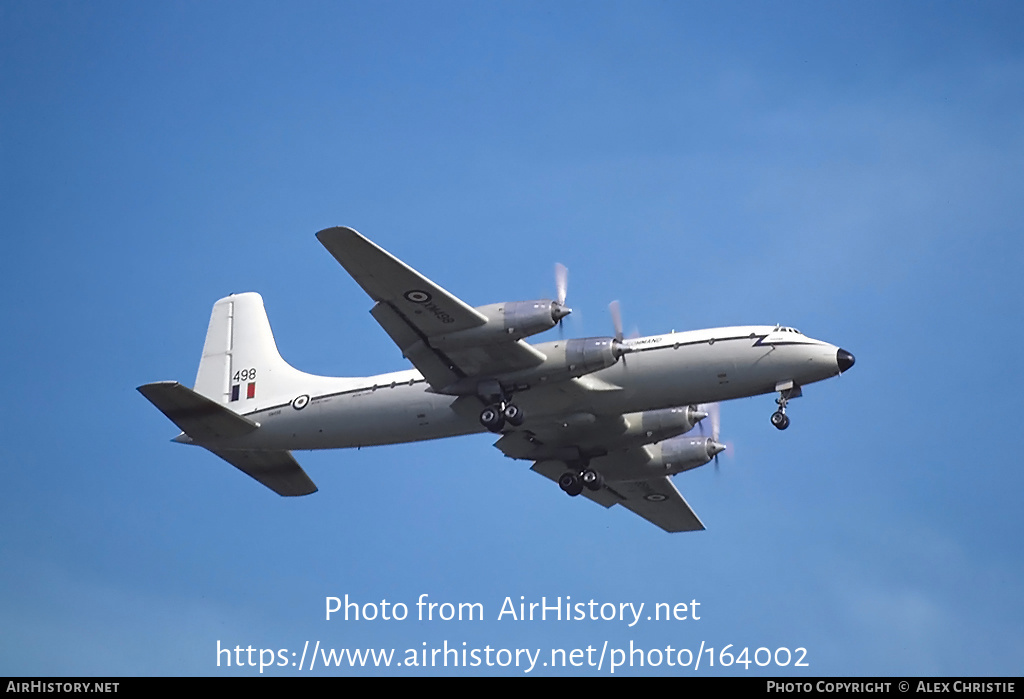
(849, 169)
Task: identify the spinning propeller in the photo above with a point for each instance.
(560, 310)
(615, 308)
(714, 412)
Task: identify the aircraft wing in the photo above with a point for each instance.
(655, 499)
(658, 502)
(412, 310)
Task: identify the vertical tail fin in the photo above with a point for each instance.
(240, 359)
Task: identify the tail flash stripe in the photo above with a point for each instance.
(234, 392)
(250, 392)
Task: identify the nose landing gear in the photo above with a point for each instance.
(787, 391)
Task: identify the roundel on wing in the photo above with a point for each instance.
(417, 296)
(300, 402)
(655, 497)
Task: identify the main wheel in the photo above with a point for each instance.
(780, 420)
(492, 419)
(513, 415)
(593, 480)
(570, 483)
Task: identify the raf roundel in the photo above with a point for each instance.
(417, 296)
(300, 402)
(655, 497)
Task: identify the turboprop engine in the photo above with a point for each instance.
(656, 425)
(512, 320)
(682, 454)
(509, 321)
(567, 359)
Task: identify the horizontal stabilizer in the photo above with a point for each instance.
(278, 470)
(197, 416)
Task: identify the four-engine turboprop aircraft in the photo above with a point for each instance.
(605, 417)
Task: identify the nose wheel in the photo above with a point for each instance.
(779, 418)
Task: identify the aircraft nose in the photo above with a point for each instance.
(845, 360)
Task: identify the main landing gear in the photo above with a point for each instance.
(494, 416)
(499, 407)
(573, 482)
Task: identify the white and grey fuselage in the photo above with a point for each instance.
(660, 371)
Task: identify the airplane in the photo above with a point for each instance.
(609, 418)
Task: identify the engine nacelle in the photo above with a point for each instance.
(568, 359)
(656, 425)
(506, 322)
(682, 454)
(564, 360)
(591, 354)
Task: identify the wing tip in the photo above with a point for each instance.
(335, 232)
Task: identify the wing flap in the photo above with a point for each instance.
(436, 368)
